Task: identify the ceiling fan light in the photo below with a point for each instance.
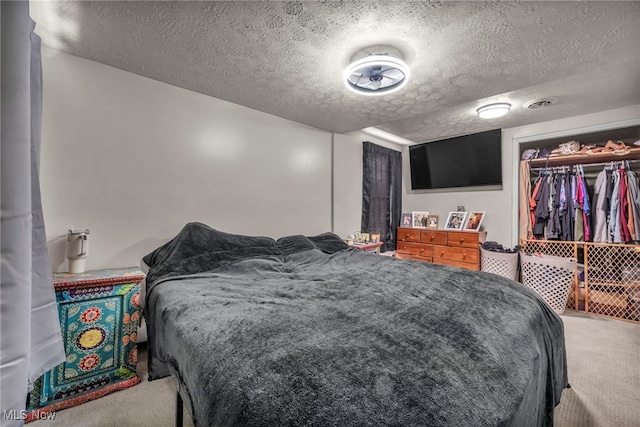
(376, 75)
(492, 111)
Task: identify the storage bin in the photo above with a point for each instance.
(501, 263)
(550, 277)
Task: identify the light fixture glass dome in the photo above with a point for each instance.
(376, 75)
(493, 111)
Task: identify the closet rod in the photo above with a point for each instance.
(568, 167)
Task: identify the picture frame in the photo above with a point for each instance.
(419, 219)
(406, 219)
(474, 221)
(455, 221)
(432, 222)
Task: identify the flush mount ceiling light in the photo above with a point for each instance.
(376, 73)
(492, 111)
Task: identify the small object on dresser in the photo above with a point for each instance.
(474, 221)
(406, 220)
(419, 219)
(455, 221)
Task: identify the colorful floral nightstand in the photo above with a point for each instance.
(98, 312)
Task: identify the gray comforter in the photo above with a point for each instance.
(304, 331)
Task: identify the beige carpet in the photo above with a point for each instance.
(604, 372)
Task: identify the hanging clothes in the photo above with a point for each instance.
(630, 219)
(614, 212)
(586, 208)
(577, 190)
(600, 202)
(567, 208)
(524, 213)
(625, 236)
(634, 193)
(553, 230)
(562, 207)
(541, 208)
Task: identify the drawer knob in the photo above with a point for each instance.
(421, 249)
(441, 253)
(431, 237)
(464, 255)
(461, 240)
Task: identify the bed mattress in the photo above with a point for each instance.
(306, 331)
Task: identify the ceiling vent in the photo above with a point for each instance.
(540, 103)
(376, 70)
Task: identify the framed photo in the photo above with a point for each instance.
(406, 220)
(432, 222)
(455, 221)
(474, 221)
(419, 219)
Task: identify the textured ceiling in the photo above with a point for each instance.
(286, 58)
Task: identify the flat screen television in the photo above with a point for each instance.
(465, 161)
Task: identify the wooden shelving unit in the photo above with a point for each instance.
(577, 159)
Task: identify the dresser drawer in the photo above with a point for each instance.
(458, 264)
(433, 237)
(416, 257)
(467, 239)
(461, 254)
(409, 235)
(415, 249)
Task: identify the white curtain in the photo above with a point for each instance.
(30, 340)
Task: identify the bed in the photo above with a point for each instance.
(305, 331)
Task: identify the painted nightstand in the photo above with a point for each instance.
(369, 247)
(98, 312)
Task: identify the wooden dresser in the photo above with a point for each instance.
(457, 248)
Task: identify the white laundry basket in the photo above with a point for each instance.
(501, 263)
(550, 277)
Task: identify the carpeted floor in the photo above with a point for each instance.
(604, 373)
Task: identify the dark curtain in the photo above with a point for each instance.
(381, 192)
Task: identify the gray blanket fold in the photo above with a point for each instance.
(304, 331)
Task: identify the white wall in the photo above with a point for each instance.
(133, 160)
(347, 179)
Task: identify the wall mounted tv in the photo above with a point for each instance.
(464, 161)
